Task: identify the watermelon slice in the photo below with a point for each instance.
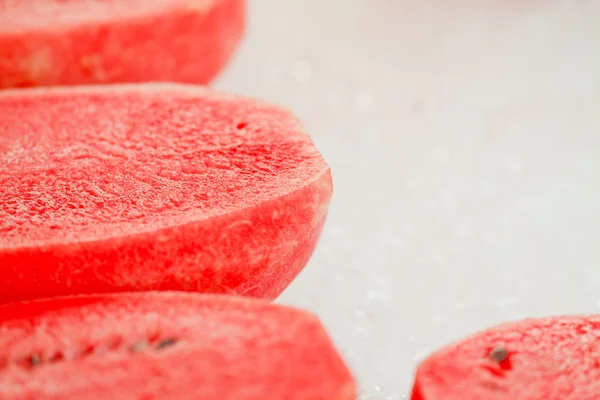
(57, 42)
(541, 359)
(154, 187)
(166, 346)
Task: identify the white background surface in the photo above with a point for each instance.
(464, 139)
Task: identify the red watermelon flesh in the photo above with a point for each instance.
(540, 359)
(58, 42)
(154, 187)
(166, 345)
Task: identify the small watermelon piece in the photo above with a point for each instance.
(154, 187)
(166, 345)
(58, 42)
(554, 358)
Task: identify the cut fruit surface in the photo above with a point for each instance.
(539, 359)
(166, 346)
(57, 42)
(154, 187)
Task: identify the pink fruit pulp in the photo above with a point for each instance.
(539, 359)
(154, 187)
(166, 346)
(57, 43)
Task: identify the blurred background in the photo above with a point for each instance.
(464, 139)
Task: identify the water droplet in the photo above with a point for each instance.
(462, 230)
(487, 186)
(363, 99)
(507, 301)
(437, 258)
(360, 312)
(373, 296)
(302, 72)
(419, 356)
(439, 319)
(336, 230)
(335, 99)
(490, 237)
(514, 166)
(441, 154)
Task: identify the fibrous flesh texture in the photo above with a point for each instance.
(167, 346)
(57, 42)
(540, 359)
(154, 187)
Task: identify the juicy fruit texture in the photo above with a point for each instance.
(545, 359)
(166, 346)
(57, 42)
(154, 187)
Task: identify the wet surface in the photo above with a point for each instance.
(465, 146)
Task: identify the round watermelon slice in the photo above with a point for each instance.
(540, 359)
(57, 42)
(154, 187)
(166, 346)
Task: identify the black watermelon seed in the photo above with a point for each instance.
(499, 354)
(166, 343)
(35, 360)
